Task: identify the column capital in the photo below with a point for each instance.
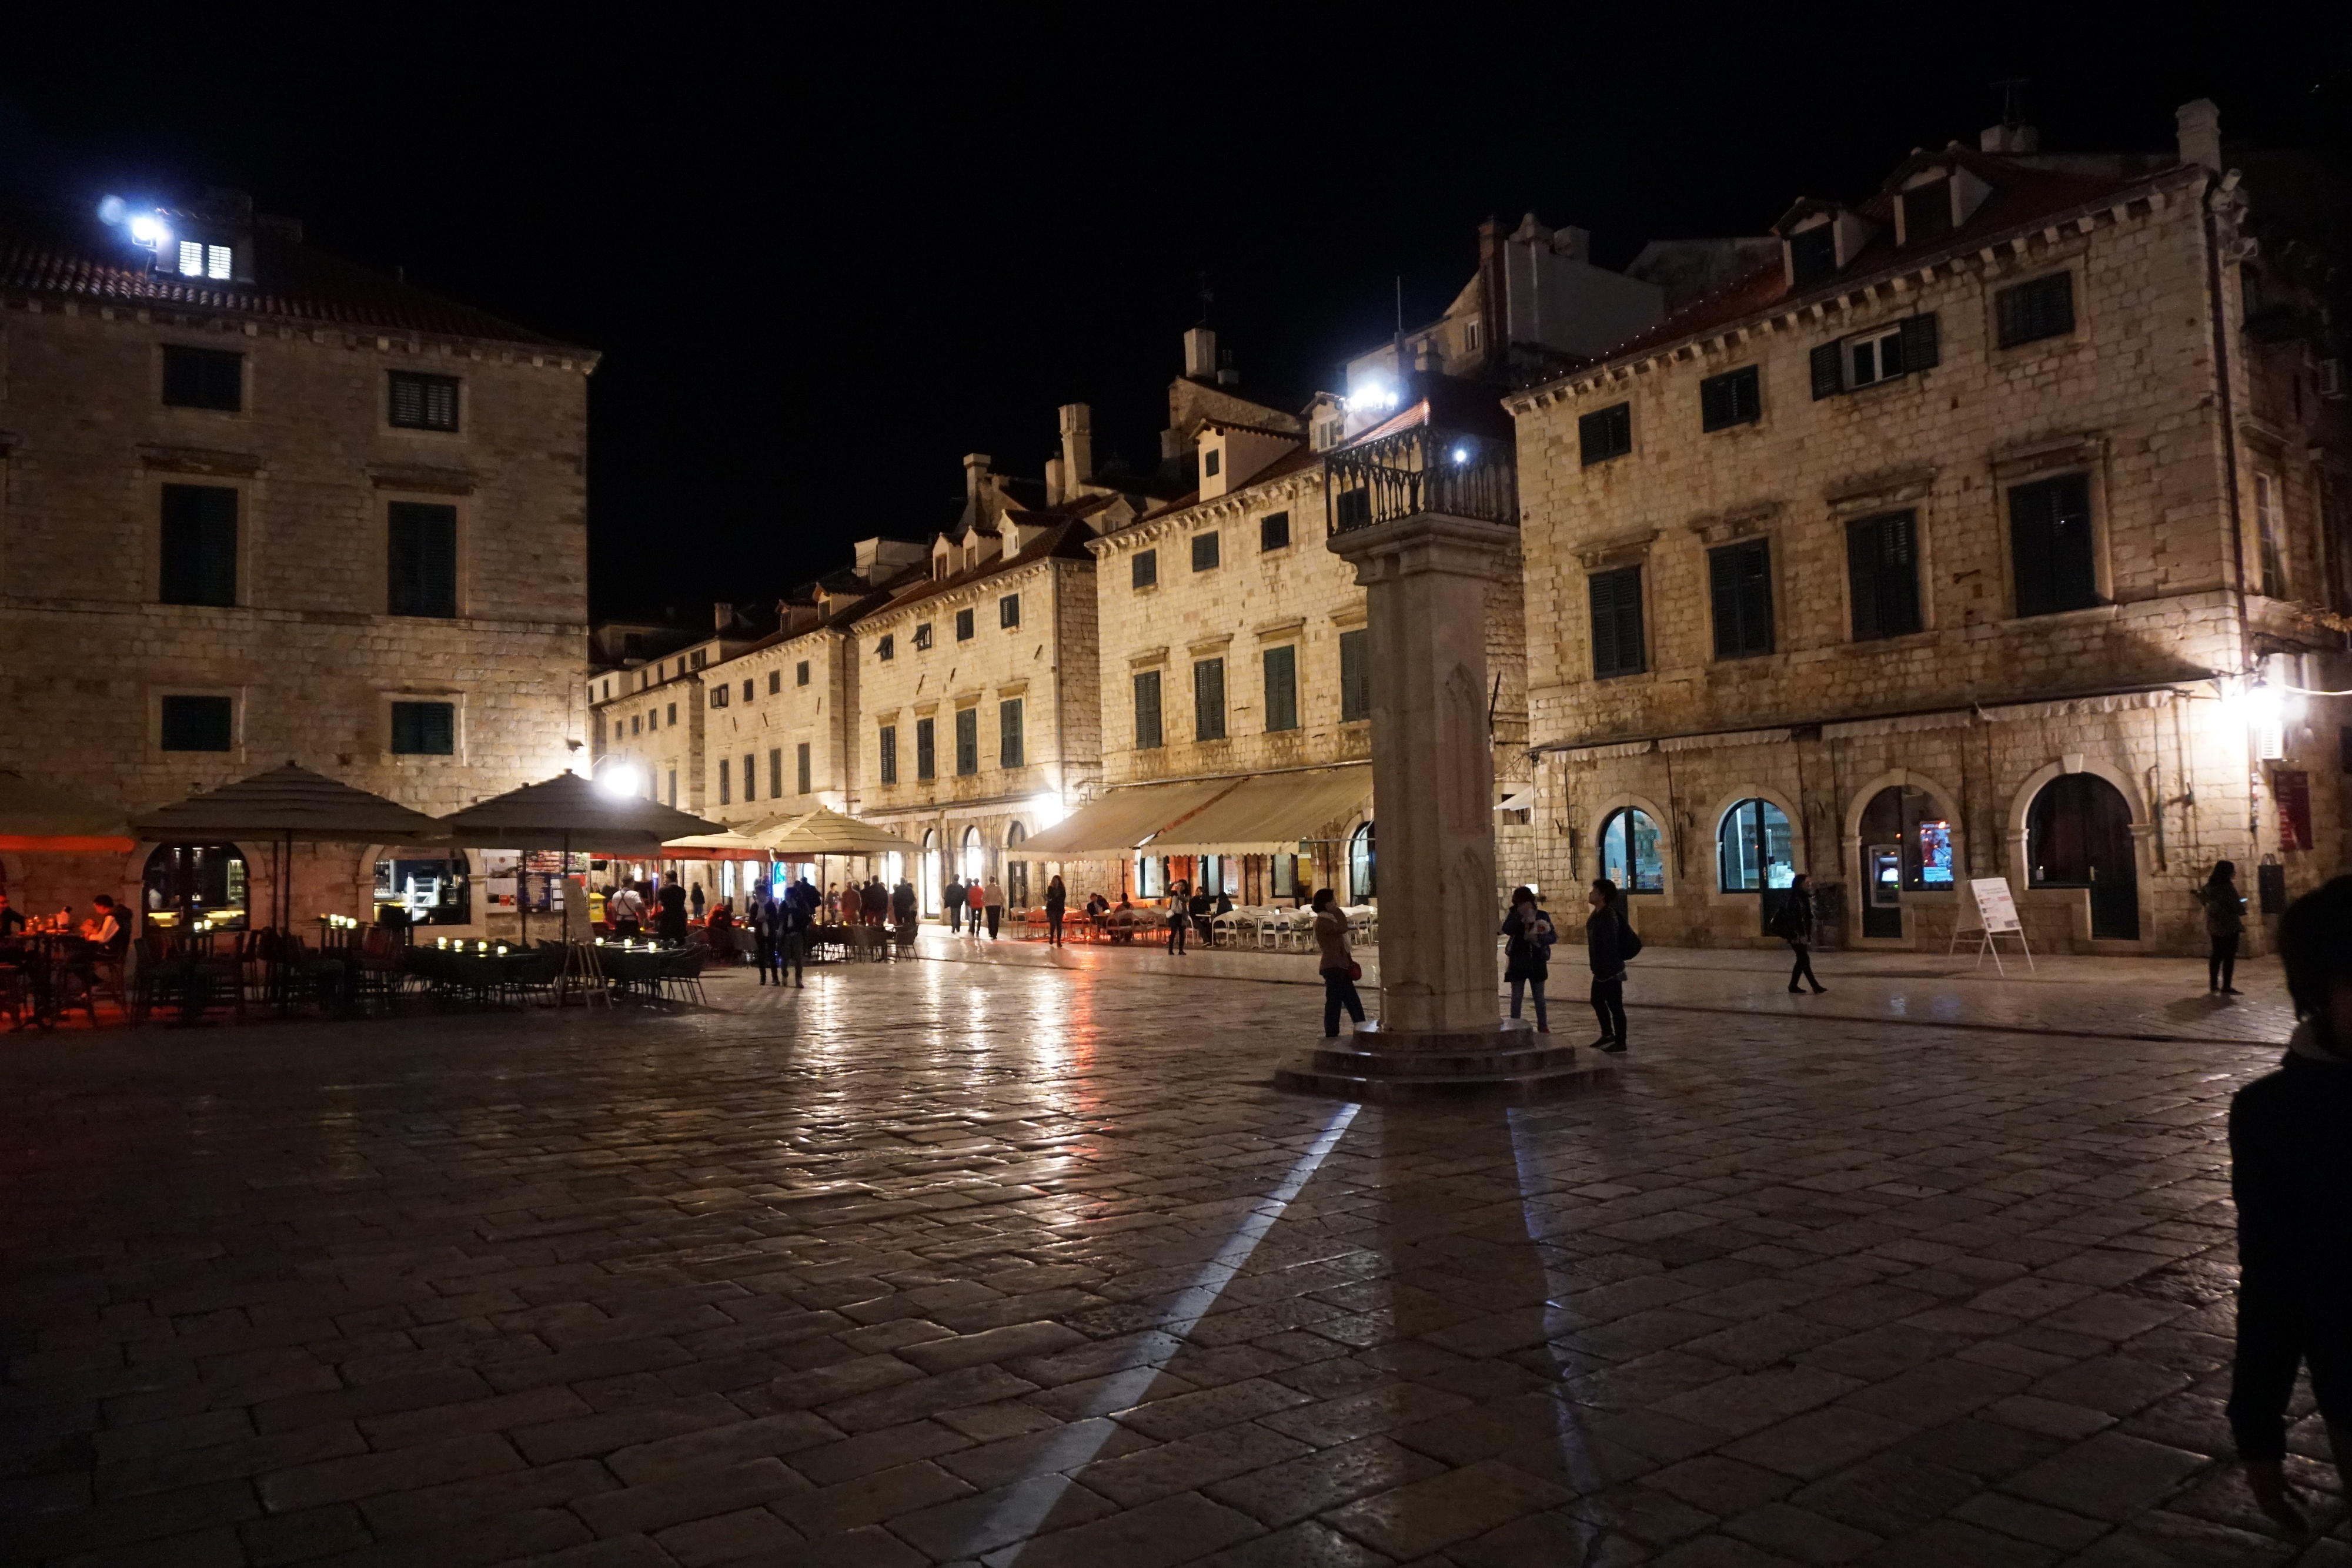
(1427, 542)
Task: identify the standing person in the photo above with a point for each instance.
(799, 913)
(1526, 952)
(1058, 901)
(2225, 921)
(872, 901)
(902, 911)
(953, 896)
(1180, 917)
(696, 901)
(627, 908)
(1604, 943)
(1339, 965)
(759, 923)
(993, 900)
(670, 924)
(2291, 1174)
(1793, 924)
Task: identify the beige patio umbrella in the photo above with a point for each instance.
(825, 832)
(34, 819)
(566, 813)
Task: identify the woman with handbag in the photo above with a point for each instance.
(1526, 952)
(1340, 970)
(1606, 939)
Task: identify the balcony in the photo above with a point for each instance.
(1421, 470)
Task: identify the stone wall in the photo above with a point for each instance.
(769, 726)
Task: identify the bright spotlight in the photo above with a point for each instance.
(2265, 705)
(148, 229)
(621, 782)
(1047, 809)
(1460, 456)
(1373, 396)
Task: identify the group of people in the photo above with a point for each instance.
(1192, 910)
(968, 903)
(108, 927)
(626, 907)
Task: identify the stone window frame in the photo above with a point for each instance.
(153, 738)
(386, 696)
(1912, 491)
(249, 489)
(462, 506)
(1608, 806)
(2086, 455)
(1615, 554)
(241, 413)
(1711, 831)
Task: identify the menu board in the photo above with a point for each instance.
(1995, 907)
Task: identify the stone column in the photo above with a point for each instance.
(1425, 579)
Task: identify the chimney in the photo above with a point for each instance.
(723, 615)
(1078, 445)
(1200, 354)
(975, 474)
(1053, 491)
(2199, 125)
(2007, 138)
(1227, 376)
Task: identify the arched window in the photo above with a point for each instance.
(1630, 853)
(1755, 851)
(975, 858)
(1016, 871)
(1363, 863)
(2078, 834)
(188, 881)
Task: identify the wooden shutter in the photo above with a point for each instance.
(1282, 687)
(1713, 403)
(422, 569)
(2050, 546)
(1147, 709)
(776, 769)
(1829, 371)
(1882, 571)
(1355, 677)
(1209, 700)
(1723, 589)
(1616, 600)
(1740, 580)
(199, 545)
(1008, 733)
(1920, 341)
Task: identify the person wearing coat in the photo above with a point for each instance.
(951, 896)
(670, 924)
(874, 901)
(2225, 921)
(1526, 953)
(975, 904)
(1058, 901)
(1180, 917)
(1793, 924)
(992, 902)
(1336, 963)
(1604, 945)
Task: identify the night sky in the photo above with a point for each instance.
(823, 265)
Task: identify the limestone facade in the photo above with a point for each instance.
(267, 423)
(1926, 671)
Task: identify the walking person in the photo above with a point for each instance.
(1179, 918)
(1793, 924)
(1340, 972)
(1605, 944)
(902, 912)
(975, 905)
(953, 897)
(696, 900)
(1526, 952)
(799, 914)
(1057, 899)
(2291, 1175)
(2225, 921)
(993, 900)
(626, 908)
(760, 927)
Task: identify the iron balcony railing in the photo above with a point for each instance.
(1421, 470)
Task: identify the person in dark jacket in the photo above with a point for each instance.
(1604, 936)
(1180, 917)
(670, 924)
(1793, 924)
(1057, 904)
(1526, 953)
(2291, 1175)
(2225, 921)
(951, 896)
(1203, 910)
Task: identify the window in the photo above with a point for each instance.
(1210, 462)
(775, 771)
(1363, 863)
(1355, 677)
(1147, 709)
(1008, 610)
(776, 682)
(967, 722)
(423, 403)
(1204, 552)
(1008, 733)
(1273, 531)
(1282, 687)
(750, 777)
(1740, 580)
(198, 724)
(718, 694)
(747, 688)
(801, 767)
(1470, 336)
(726, 791)
(2270, 535)
(1209, 700)
(1617, 644)
(923, 635)
(801, 673)
(1630, 853)
(1332, 432)
(636, 723)
(963, 625)
(1735, 397)
(423, 729)
(2050, 545)
(1926, 213)
(673, 715)
(2042, 307)
(1754, 849)
(1812, 254)
(1605, 432)
(1878, 355)
(885, 646)
(1882, 563)
(673, 786)
(887, 750)
(1143, 571)
(199, 545)
(198, 259)
(204, 378)
(926, 752)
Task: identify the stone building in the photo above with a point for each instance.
(1982, 534)
(648, 717)
(259, 503)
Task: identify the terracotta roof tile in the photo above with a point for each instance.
(1063, 541)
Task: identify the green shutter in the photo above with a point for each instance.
(422, 575)
(1355, 677)
(1282, 687)
(1147, 710)
(1919, 343)
(199, 545)
(1829, 371)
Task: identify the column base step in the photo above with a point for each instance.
(1505, 1063)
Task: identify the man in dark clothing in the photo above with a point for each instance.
(952, 895)
(669, 924)
(1604, 943)
(1793, 924)
(2291, 1174)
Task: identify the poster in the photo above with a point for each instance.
(1996, 909)
(2292, 788)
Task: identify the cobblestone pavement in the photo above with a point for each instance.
(944, 1262)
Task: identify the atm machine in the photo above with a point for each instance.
(1882, 911)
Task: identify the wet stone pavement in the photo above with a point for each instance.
(939, 1263)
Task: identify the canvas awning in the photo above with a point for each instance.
(53, 822)
(715, 847)
(825, 832)
(289, 803)
(568, 813)
(1270, 813)
(1123, 819)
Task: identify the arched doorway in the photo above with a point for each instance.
(1756, 852)
(1906, 847)
(975, 858)
(1016, 871)
(1631, 853)
(1363, 865)
(2078, 834)
(186, 882)
(927, 870)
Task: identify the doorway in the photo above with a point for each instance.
(2078, 834)
(1906, 847)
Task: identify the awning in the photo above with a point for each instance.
(1519, 799)
(1123, 819)
(1271, 812)
(825, 832)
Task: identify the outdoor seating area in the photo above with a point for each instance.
(1268, 928)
